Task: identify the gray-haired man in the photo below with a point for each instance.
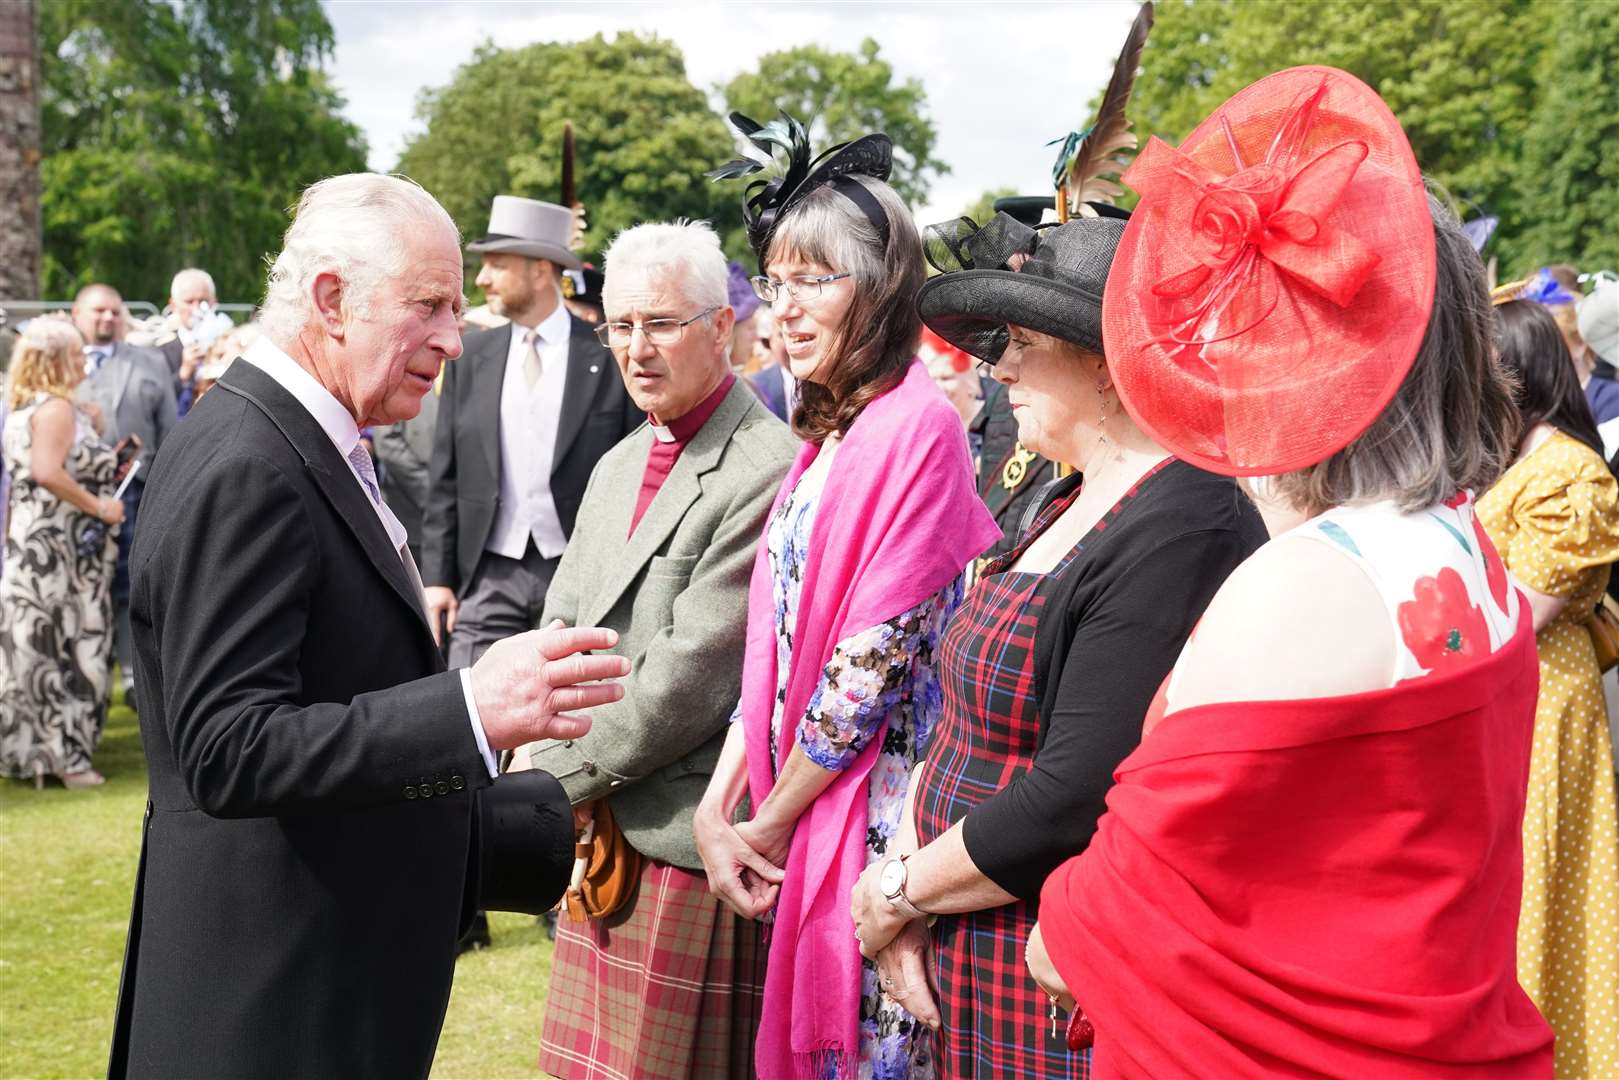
(662, 553)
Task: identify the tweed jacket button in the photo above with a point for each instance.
(590, 768)
(567, 742)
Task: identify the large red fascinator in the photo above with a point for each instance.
(1274, 283)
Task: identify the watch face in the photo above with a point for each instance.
(893, 877)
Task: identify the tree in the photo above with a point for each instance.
(841, 96)
(1499, 99)
(1569, 172)
(19, 152)
(178, 134)
(643, 135)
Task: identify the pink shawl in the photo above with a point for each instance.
(898, 520)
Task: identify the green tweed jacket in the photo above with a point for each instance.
(677, 593)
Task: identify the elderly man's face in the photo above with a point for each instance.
(188, 298)
(394, 345)
(99, 316)
(667, 381)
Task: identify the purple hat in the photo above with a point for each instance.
(744, 301)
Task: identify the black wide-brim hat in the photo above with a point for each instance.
(1058, 291)
(522, 856)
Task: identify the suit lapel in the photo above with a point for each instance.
(123, 370)
(487, 376)
(668, 508)
(330, 472)
(588, 365)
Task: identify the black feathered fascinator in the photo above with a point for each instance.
(766, 202)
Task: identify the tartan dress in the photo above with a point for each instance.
(996, 1020)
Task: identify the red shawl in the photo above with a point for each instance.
(1324, 887)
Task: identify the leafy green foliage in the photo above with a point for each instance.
(178, 134)
(1509, 104)
(842, 96)
(983, 208)
(643, 135)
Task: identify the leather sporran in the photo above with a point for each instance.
(1604, 628)
(606, 869)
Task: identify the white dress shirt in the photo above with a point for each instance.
(340, 427)
(529, 417)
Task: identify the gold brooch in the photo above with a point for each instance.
(1016, 468)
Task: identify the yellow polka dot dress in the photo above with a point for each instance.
(1553, 518)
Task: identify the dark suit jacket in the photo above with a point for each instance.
(464, 479)
(304, 869)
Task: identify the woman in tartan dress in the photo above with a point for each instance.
(1051, 663)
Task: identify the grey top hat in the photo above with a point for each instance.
(528, 227)
(1058, 291)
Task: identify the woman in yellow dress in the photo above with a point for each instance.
(1553, 518)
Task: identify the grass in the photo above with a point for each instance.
(67, 871)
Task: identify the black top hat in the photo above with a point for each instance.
(1058, 290)
(522, 854)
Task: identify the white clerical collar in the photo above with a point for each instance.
(315, 398)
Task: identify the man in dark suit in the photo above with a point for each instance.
(132, 389)
(191, 299)
(523, 419)
(320, 785)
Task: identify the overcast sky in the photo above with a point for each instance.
(1002, 78)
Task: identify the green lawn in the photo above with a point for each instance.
(67, 867)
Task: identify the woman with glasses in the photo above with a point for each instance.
(859, 570)
(55, 596)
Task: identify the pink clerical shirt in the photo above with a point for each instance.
(668, 440)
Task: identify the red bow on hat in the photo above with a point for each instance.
(1243, 228)
(1274, 282)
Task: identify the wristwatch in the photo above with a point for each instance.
(891, 880)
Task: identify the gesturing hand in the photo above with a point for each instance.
(528, 687)
(902, 974)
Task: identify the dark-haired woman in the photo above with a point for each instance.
(1553, 517)
(1311, 864)
(858, 572)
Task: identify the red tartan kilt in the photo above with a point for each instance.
(669, 987)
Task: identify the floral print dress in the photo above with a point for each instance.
(885, 672)
(55, 608)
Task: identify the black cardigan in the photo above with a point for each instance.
(1112, 627)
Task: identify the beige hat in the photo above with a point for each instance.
(1599, 321)
(528, 227)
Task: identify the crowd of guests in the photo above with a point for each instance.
(1269, 738)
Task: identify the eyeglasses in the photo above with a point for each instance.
(799, 288)
(617, 335)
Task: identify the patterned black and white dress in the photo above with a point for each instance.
(55, 608)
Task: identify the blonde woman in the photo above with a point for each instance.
(55, 600)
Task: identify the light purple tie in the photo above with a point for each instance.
(368, 475)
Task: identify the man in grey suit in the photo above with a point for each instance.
(663, 552)
(134, 390)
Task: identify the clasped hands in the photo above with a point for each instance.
(744, 861)
(533, 686)
(897, 944)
